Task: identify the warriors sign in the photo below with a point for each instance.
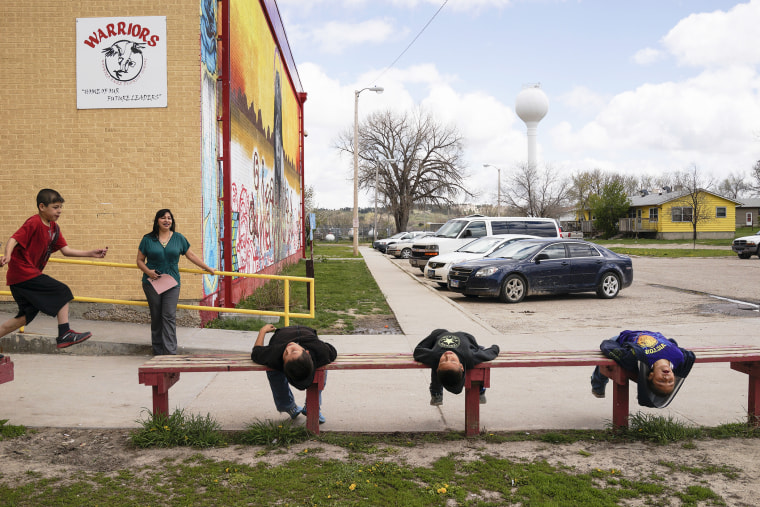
(121, 62)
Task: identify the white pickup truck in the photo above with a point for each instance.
(747, 246)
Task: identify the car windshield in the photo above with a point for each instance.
(397, 235)
(481, 245)
(451, 229)
(517, 250)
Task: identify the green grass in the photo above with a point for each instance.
(344, 288)
(673, 252)
(371, 475)
(10, 430)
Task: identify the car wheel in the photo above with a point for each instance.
(744, 256)
(406, 253)
(443, 285)
(609, 286)
(513, 289)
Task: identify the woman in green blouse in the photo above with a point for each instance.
(158, 258)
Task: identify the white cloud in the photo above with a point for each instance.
(647, 55)
(718, 38)
(334, 37)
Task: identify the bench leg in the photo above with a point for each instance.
(161, 382)
(6, 370)
(620, 395)
(474, 379)
(312, 402)
(753, 393)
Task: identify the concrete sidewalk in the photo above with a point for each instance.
(95, 384)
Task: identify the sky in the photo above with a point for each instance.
(634, 87)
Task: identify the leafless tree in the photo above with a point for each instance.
(414, 159)
(693, 199)
(535, 192)
(755, 175)
(733, 186)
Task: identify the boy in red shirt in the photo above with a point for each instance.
(26, 255)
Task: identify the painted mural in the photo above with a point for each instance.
(210, 169)
(266, 185)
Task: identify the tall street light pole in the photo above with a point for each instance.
(498, 191)
(377, 89)
(377, 167)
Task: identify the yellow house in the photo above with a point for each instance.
(672, 214)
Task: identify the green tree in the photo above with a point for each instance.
(608, 206)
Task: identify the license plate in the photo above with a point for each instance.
(431, 273)
(454, 283)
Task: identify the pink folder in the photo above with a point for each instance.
(163, 283)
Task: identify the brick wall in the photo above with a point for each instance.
(114, 167)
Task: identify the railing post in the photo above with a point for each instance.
(287, 302)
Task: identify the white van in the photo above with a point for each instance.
(460, 231)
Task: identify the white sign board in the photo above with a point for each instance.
(121, 62)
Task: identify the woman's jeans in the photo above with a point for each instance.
(163, 319)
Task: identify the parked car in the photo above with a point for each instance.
(382, 244)
(437, 268)
(747, 246)
(458, 232)
(543, 266)
(403, 248)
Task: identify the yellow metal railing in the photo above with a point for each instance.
(286, 313)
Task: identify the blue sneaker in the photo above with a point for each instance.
(321, 417)
(294, 411)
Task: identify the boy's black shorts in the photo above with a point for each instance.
(40, 294)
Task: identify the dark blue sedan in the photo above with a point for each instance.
(543, 266)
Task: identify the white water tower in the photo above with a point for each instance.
(531, 106)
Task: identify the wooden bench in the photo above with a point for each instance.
(162, 372)
(6, 369)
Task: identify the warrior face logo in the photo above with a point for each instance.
(124, 60)
(449, 341)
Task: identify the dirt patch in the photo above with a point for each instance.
(728, 467)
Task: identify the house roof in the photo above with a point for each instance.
(661, 197)
(750, 202)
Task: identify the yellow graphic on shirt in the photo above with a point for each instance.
(646, 341)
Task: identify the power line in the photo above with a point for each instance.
(389, 67)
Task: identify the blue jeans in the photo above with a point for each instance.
(598, 381)
(283, 396)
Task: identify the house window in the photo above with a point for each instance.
(720, 212)
(654, 214)
(681, 213)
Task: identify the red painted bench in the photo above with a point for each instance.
(6, 369)
(162, 372)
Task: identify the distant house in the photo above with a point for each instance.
(667, 214)
(748, 212)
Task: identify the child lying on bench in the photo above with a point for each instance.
(294, 352)
(448, 355)
(660, 363)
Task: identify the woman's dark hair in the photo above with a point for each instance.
(159, 214)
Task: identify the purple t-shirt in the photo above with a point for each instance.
(655, 346)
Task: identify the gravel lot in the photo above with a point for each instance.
(663, 290)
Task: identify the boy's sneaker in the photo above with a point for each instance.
(70, 338)
(321, 417)
(436, 399)
(294, 411)
(598, 394)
